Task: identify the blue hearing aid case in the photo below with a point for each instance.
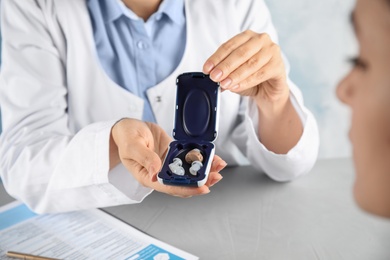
(195, 126)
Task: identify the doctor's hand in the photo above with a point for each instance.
(250, 64)
(142, 146)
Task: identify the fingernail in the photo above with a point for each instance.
(216, 74)
(215, 181)
(226, 83)
(208, 66)
(205, 191)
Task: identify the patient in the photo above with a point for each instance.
(366, 89)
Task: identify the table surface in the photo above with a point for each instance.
(249, 216)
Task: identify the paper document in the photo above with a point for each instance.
(90, 234)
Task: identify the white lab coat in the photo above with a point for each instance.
(59, 105)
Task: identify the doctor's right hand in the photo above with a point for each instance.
(142, 146)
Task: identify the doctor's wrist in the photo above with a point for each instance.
(113, 149)
(274, 108)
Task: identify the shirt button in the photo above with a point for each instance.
(158, 99)
(158, 17)
(141, 45)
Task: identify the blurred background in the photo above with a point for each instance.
(317, 39)
(0, 68)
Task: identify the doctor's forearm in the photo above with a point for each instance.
(280, 127)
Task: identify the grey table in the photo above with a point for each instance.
(249, 216)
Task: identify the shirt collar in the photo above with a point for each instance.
(113, 10)
(110, 9)
(174, 9)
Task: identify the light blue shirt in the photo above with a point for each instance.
(135, 54)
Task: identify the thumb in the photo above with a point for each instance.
(142, 161)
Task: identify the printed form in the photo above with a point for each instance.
(88, 234)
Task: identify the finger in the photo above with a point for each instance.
(249, 54)
(138, 171)
(247, 68)
(161, 139)
(223, 51)
(214, 177)
(235, 59)
(218, 164)
(269, 71)
(180, 191)
(140, 153)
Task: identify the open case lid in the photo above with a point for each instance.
(196, 114)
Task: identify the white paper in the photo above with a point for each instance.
(90, 234)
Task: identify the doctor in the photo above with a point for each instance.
(73, 69)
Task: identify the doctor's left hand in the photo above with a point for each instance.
(141, 147)
(250, 64)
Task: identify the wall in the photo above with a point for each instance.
(0, 68)
(317, 38)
